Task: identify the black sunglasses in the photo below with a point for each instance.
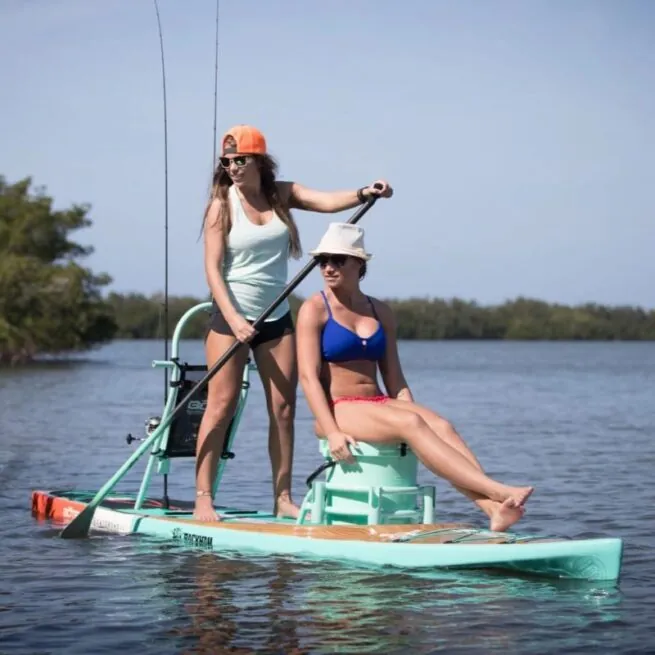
(239, 160)
(337, 261)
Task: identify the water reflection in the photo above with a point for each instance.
(219, 604)
(226, 605)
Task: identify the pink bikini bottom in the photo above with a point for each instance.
(360, 399)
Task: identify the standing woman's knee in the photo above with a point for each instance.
(220, 407)
(283, 410)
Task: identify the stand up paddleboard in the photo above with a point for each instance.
(372, 512)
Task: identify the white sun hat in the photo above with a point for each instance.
(342, 239)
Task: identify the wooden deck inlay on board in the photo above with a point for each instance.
(374, 533)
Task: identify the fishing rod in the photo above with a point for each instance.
(166, 256)
(214, 140)
(163, 76)
(215, 87)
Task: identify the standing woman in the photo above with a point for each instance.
(249, 235)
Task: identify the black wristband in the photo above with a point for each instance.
(360, 194)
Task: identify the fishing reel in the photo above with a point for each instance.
(151, 424)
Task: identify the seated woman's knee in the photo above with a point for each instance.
(409, 424)
(442, 426)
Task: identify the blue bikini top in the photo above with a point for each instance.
(339, 344)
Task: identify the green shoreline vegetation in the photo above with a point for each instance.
(50, 304)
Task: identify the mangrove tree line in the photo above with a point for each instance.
(51, 303)
(141, 317)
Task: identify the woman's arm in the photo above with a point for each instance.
(214, 253)
(330, 202)
(308, 339)
(390, 366)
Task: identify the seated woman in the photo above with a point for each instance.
(343, 337)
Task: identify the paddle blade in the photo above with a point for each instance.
(79, 527)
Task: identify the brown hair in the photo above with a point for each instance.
(362, 268)
(268, 168)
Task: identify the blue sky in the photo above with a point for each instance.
(519, 136)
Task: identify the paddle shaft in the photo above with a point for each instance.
(79, 526)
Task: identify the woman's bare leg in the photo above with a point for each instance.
(382, 423)
(501, 515)
(222, 395)
(276, 361)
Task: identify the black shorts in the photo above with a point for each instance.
(269, 330)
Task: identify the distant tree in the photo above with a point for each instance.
(519, 319)
(49, 303)
(141, 317)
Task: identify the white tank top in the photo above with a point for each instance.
(255, 264)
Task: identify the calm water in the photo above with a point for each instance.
(576, 420)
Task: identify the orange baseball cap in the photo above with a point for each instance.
(249, 140)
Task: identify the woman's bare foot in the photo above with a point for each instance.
(519, 494)
(505, 515)
(204, 509)
(285, 508)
